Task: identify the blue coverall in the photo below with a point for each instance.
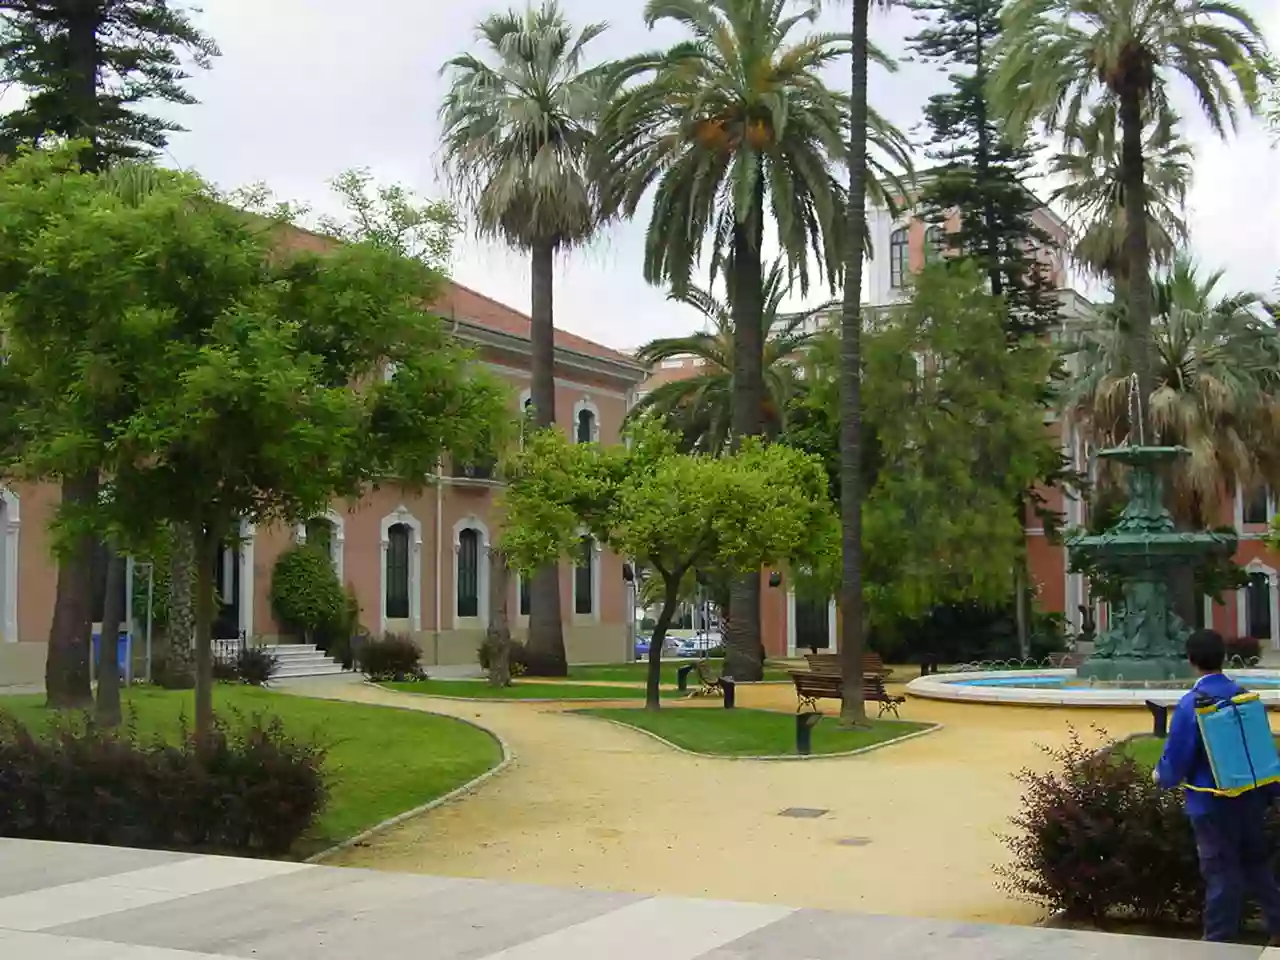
(1230, 834)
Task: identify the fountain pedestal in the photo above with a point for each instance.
(1144, 639)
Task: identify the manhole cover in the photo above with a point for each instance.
(853, 841)
(803, 813)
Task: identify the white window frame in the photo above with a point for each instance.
(585, 404)
(597, 551)
(1238, 518)
(401, 514)
(481, 620)
(12, 516)
(522, 619)
(1242, 602)
(248, 534)
(337, 543)
(832, 632)
(905, 260)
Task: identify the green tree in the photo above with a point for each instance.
(392, 217)
(1063, 58)
(86, 68)
(700, 408)
(517, 134)
(731, 128)
(673, 512)
(211, 379)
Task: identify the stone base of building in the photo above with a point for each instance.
(584, 643)
(1133, 669)
(22, 665)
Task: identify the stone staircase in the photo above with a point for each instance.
(301, 660)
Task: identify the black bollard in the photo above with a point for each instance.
(805, 722)
(1159, 719)
(729, 687)
(682, 677)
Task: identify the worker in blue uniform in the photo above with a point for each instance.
(1230, 831)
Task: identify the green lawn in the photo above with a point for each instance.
(381, 761)
(481, 690)
(750, 733)
(637, 672)
(1146, 750)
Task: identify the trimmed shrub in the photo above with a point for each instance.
(394, 657)
(255, 666)
(306, 596)
(1096, 839)
(517, 656)
(251, 789)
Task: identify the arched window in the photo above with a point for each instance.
(935, 243)
(1258, 606)
(898, 257)
(468, 572)
(586, 426)
(584, 578)
(398, 571)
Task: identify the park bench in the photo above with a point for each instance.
(829, 664)
(812, 687)
(708, 683)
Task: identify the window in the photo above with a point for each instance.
(897, 257)
(586, 426)
(1256, 505)
(935, 244)
(1258, 606)
(526, 417)
(319, 532)
(524, 598)
(469, 572)
(583, 578)
(398, 572)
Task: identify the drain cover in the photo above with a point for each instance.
(853, 841)
(803, 813)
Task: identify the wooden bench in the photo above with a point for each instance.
(828, 664)
(707, 683)
(812, 687)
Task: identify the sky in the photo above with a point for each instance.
(307, 88)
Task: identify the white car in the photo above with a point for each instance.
(697, 646)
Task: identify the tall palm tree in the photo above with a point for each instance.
(730, 128)
(517, 132)
(1216, 364)
(1061, 58)
(1094, 192)
(700, 407)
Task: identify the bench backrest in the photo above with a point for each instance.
(829, 663)
(703, 670)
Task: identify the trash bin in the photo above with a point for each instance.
(123, 652)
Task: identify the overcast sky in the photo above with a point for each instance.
(307, 88)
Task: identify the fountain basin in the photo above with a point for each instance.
(1061, 688)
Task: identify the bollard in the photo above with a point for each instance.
(729, 687)
(682, 677)
(805, 722)
(1159, 719)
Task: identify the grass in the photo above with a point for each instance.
(481, 690)
(1146, 750)
(751, 733)
(381, 761)
(637, 672)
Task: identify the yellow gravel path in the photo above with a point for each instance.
(590, 804)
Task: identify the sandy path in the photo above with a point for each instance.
(591, 804)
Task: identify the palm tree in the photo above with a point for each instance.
(1094, 193)
(1061, 58)
(517, 133)
(1216, 364)
(729, 128)
(700, 408)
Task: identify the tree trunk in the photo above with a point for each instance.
(852, 636)
(744, 653)
(546, 630)
(498, 634)
(108, 704)
(1137, 256)
(179, 665)
(653, 678)
(66, 676)
(206, 540)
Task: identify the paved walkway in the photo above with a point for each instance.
(911, 829)
(67, 902)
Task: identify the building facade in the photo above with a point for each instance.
(417, 562)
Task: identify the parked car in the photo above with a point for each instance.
(642, 647)
(698, 646)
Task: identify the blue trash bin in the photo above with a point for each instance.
(123, 652)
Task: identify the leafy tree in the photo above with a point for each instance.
(210, 378)
(391, 217)
(700, 408)
(85, 69)
(730, 128)
(981, 172)
(517, 134)
(673, 512)
(1064, 58)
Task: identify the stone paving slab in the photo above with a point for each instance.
(62, 902)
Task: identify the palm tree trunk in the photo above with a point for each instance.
(498, 633)
(852, 637)
(108, 702)
(546, 651)
(179, 664)
(1137, 255)
(744, 653)
(66, 675)
(206, 541)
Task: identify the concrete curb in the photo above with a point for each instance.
(771, 758)
(508, 757)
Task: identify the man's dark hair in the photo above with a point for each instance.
(1206, 650)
